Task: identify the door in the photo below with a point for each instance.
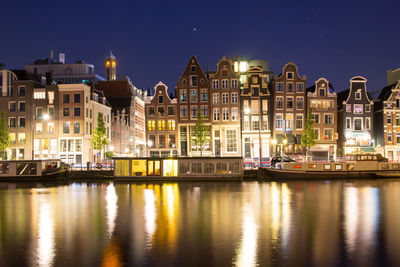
(154, 167)
(217, 144)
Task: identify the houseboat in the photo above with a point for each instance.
(354, 166)
(27, 170)
(185, 169)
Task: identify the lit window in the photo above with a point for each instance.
(39, 128)
(151, 125)
(161, 125)
(216, 98)
(171, 125)
(231, 141)
(39, 95)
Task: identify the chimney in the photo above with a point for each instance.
(49, 78)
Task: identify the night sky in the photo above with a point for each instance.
(153, 40)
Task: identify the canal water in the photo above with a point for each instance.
(297, 223)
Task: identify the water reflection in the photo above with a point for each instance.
(299, 223)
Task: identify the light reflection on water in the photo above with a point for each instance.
(297, 223)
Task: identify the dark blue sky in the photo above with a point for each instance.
(153, 40)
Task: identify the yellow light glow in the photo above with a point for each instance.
(150, 212)
(243, 66)
(45, 250)
(114, 64)
(236, 66)
(273, 141)
(111, 199)
(284, 141)
(107, 63)
(170, 167)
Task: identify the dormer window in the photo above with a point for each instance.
(193, 68)
(321, 91)
(160, 99)
(397, 103)
(289, 75)
(358, 94)
(184, 82)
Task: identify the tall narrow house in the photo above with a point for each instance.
(192, 91)
(290, 111)
(256, 108)
(225, 106)
(355, 125)
(322, 100)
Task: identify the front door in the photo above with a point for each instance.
(153, 167)
(217, 148)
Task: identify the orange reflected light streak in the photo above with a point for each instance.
(351, 218)
(111, 199)
(150, 211)
(45, 249)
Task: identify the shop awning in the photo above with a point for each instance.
(367, 149)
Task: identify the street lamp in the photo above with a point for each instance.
(46, 117)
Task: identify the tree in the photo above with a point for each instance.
(99, 137)
(309, 136)
(4, 135)
(201, 133)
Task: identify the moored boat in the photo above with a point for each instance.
(355, 166)
(28, 170)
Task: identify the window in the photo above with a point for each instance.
(278, 121)
(193, 95)
(224, 83)
(397, 119)
(225, 114)
(300, 102)
(279, 87)
(161, 111)
(358, 108)
(171, 141)
(22, 106)
(193, 80)
(161, 141)
(322, 91)
(348, 108)
(348, 123)
(184, 112)
(389, 137)
(234, 114)
(77, 127)
(246, 123)
(152, 141)
(265, 123)
(215, 84)
(254, 91)
(289, 102)
(289, 75)
(39, 128)
(204, 111)
(77, 98)
(77, 112)
(316, 131)
(12, 138)
(50, 111)
(151, 125)
(299, 121)
(216, 114)
(66, 128)
(315, 118)
(398, 103)
(90, 113)
(358, 124)
(21, 122)
(171, 125)
(328, 119)
(39, 113)
(388, 119)
(328, 134)
(193, 68)
(39, 95)
(203, 95)
(171, 111)
(358, 94)
(279, 102)
(231, 141)
(12, 106)
(264, 105)
(161, 125)
(289, 121)
(367, 108)
(12, 122)
(398, 138)
(368, 123)
(65, 98)
(22, 91)
(150, 111)
(234, 83)
(183, 95)
(255, 124)
(66, 112)
(289, 87)
(225, 98)
(160, 99)
(50, 128)
(299, 87)
(193, 111)
(254, 106)
(234, 97)
(216, 98)
(21, 138)
(50, 95)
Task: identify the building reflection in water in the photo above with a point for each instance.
(44, 240)
(150, 215)
(361, 223)
(247, 251)
(111, 200)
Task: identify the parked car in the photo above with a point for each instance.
(276, 160)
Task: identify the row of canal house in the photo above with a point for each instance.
(252, 113)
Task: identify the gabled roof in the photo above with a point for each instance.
(24, 75)
(312, 88)
(386, 91)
